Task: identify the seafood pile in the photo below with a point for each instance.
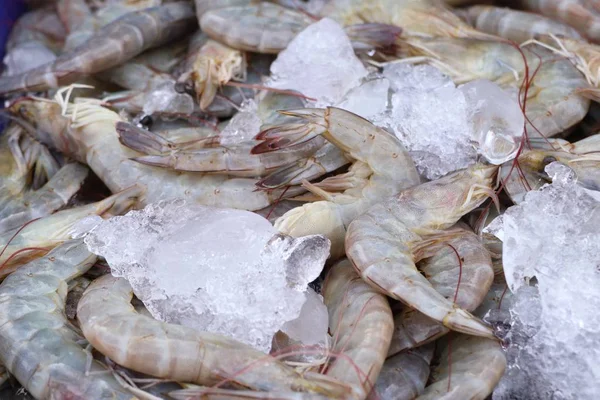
(301, 199)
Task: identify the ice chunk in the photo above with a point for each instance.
(26, 56)
(243, 126)
(165, 99)
(310, 328)
(368, 100)
(429, 116)
(550, 255)
(218, 270)
(319, 63)
(496, 119)
(85, 225)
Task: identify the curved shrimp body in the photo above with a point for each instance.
(514, 25)
(552, 104)
(39, 347)
(460, 268)
(382, 167)
(470, 368)
(385, 242)
(117, 42)
(42, 25)
(584, 17)
(361, 323)
(403, 376)
(210, 65)
(29, 241)
(89, 135)
(111, 324)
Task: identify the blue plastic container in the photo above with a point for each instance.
(10, 11)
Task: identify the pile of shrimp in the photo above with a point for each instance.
(410, 271)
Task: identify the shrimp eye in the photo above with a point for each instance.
(146, 121)
(547, 160)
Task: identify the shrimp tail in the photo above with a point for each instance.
(590, 93)
(369, 36)
(141, 140)
(284, 136)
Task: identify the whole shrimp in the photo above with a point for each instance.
(381, 167)
(413, 329)
(111, 324)
(552, 104)
(514, 25)
(403, 376)
(385, 243)
(470, 367)
(39, 347)
(37, 237)
(87, 134)
(361, 323)
(583, 15)
(114, 44)
(21, 198)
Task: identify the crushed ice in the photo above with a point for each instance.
(224, 271)
(550, 255)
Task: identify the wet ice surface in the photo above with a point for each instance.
(165, 99)
(243, 126)
(219, 270)
(444, 126)
(369, 99)
(319, 63)
(555, 337)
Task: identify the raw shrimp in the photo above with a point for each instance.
(42, 25)
(385, 242)
(29, 241)
(20, 158)
(263, 28)
(514, 25)
(552, 104)
(111, 324)
(584, 17)
(360, 321)
(116, 43)
(235, 160)
(474, 369)
(88, 135)
(403, 377)
(382, 167)
(208, 393)
(466, 280)
(210, 65)
(39, 347)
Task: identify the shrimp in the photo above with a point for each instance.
(403, 377)
(40, 348)
(269, 28)
(474, 369)
(381, 168)
(514, 25)
(552, 104)
(361, 323)
(42, 26)
(114, 44)
(577, 13)
(385, 242)
(233, 160)
(210, 65)
(461, 269)
(87, 134)
(111, 324)
(27, 242)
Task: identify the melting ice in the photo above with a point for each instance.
(219, 270)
